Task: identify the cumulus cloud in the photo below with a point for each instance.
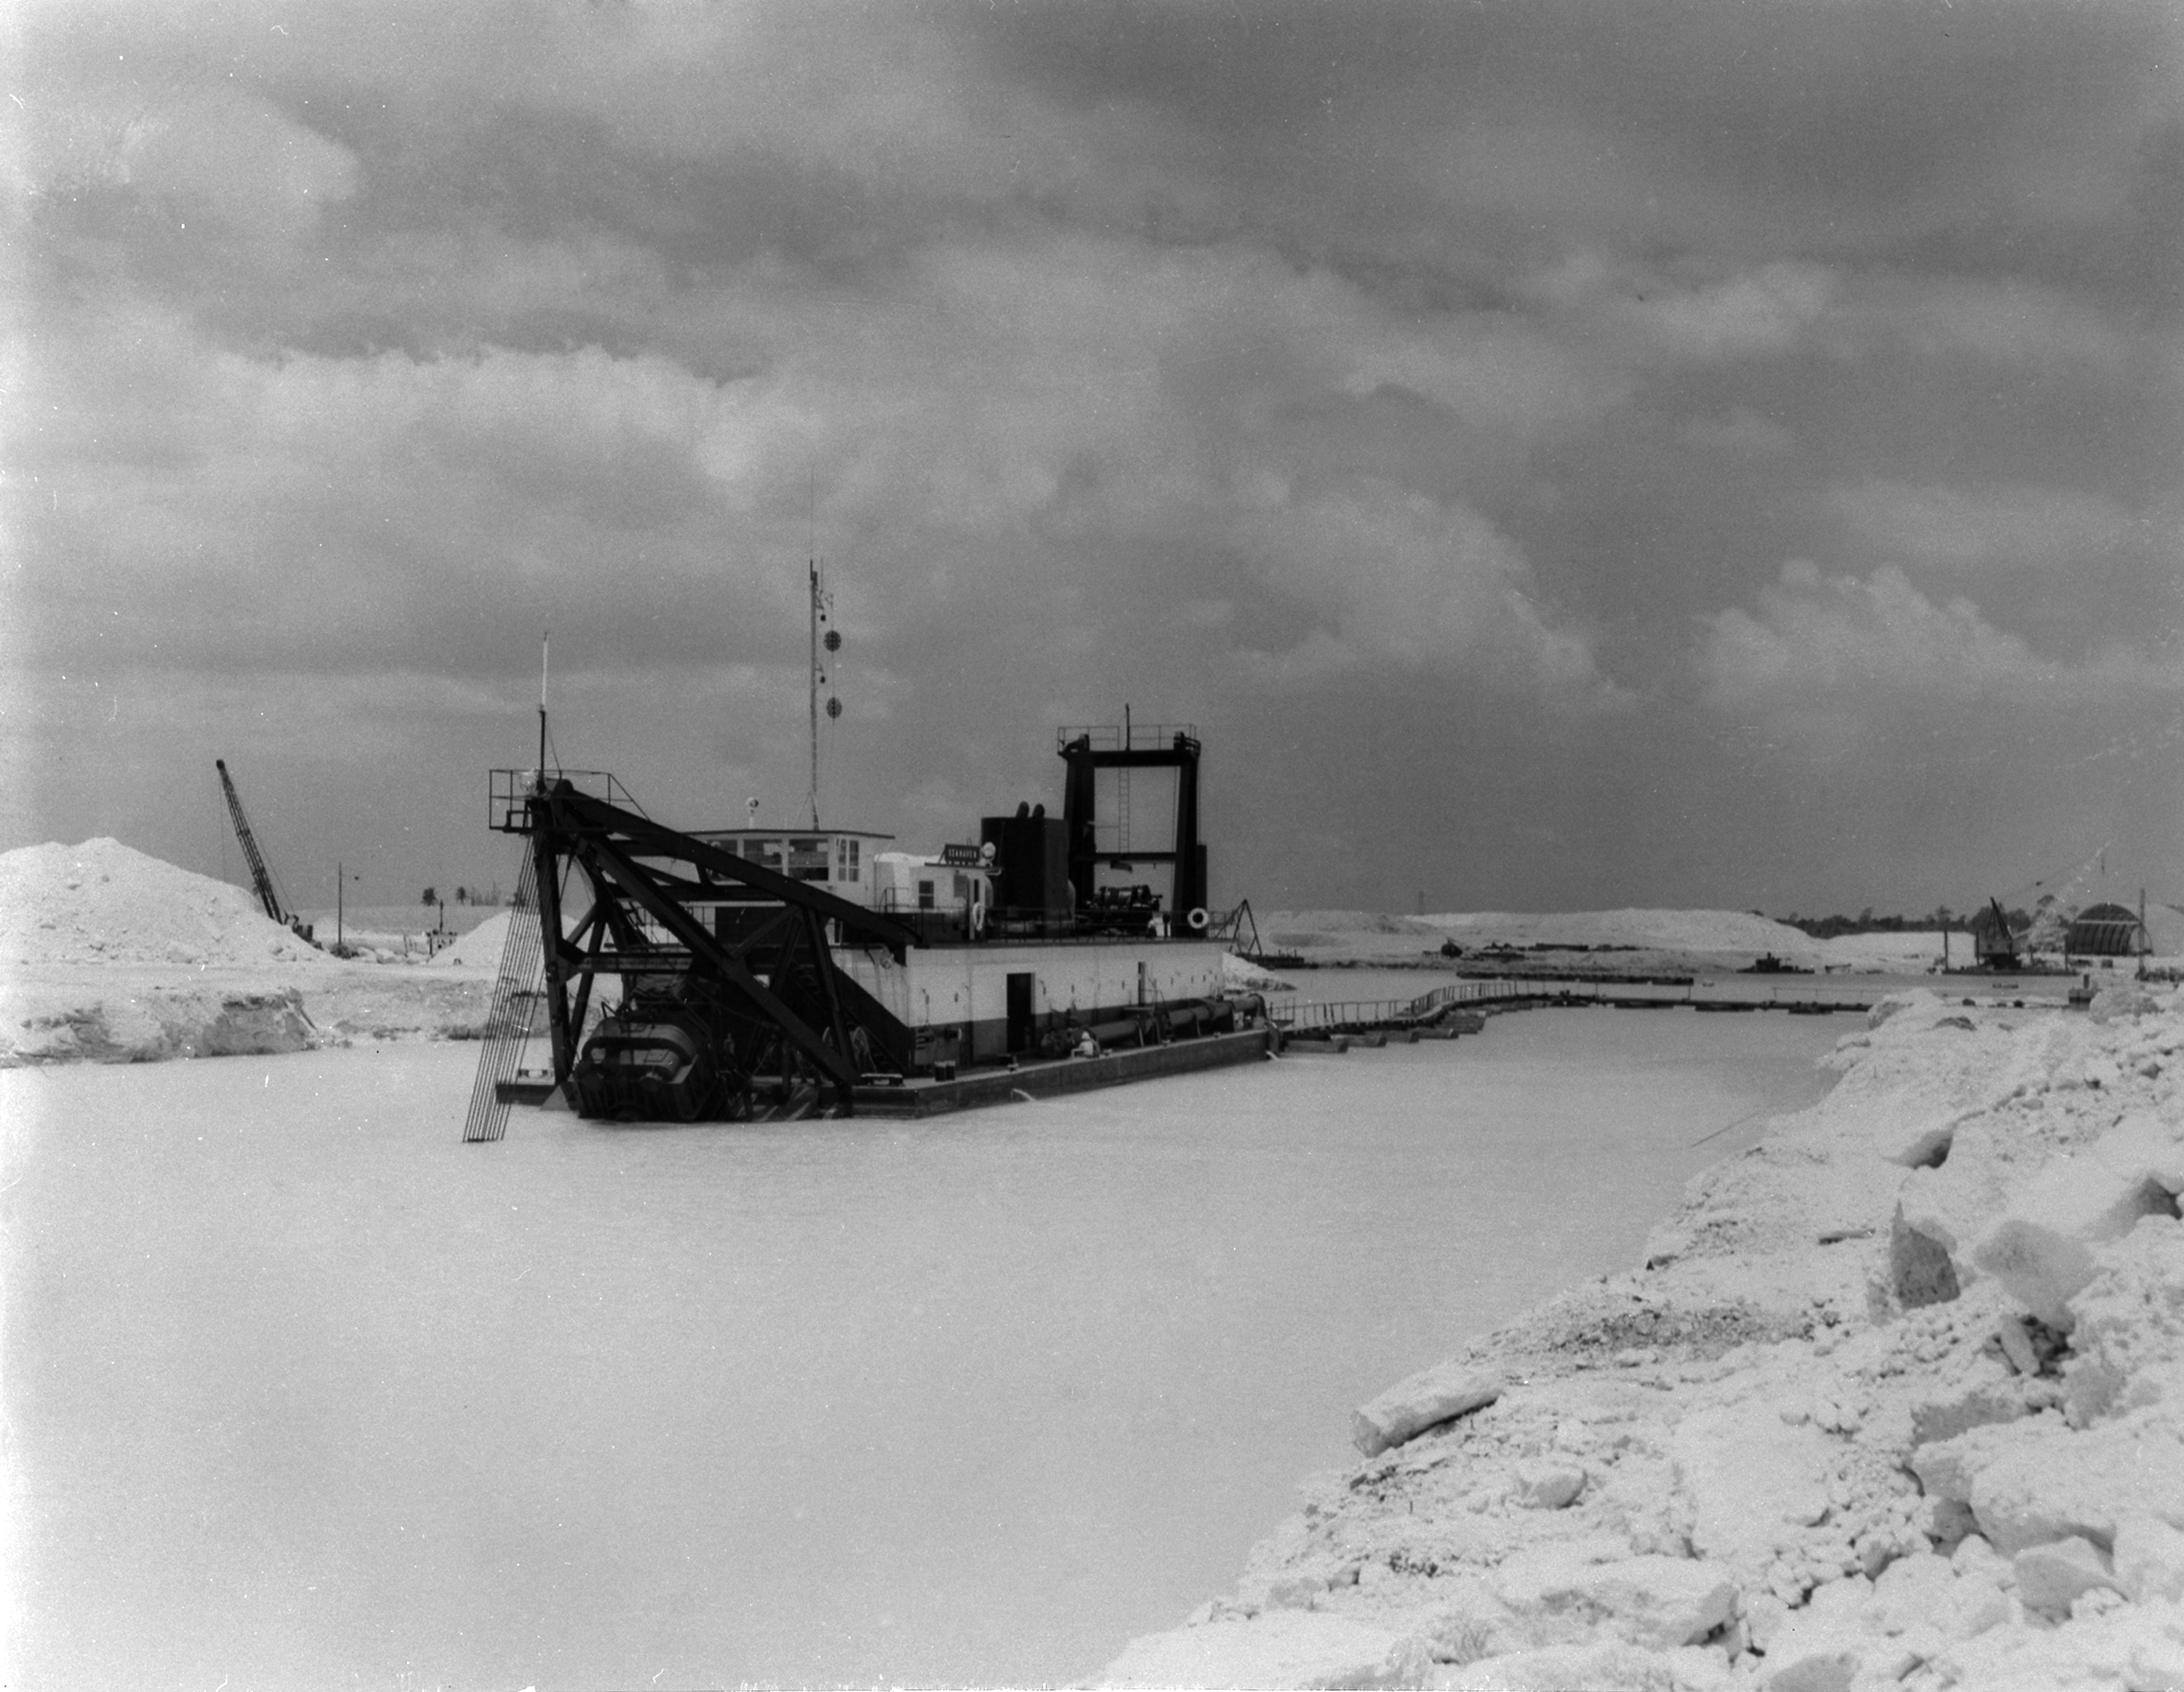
(227, 153)
(1826, 659)
(1008, 414)
(1965, 528)
(1401, 580)
(1765, 310)
(1260, 362)
(374, 510)
(1658, 315)
(2009, 322)
(1635, 311)
(1741, 432)
(1820, 637)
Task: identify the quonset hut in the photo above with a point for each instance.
(2106, 931)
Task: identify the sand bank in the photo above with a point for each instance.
(1631, 940)
(1896, 1398)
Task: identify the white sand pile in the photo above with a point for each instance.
(1662, 931)
(1240, 975)
(480, 949)
(1898, 1399)
(109, 956)
(1355, 922)
(1632, 937)
(101, 902)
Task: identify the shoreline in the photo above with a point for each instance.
(1892, 1399)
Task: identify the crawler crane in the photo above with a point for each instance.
(261, 878)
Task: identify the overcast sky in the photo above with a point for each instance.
(1559, 455)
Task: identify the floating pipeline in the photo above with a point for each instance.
(920, 1096)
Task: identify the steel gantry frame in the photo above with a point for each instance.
(1163, 746)
(759, 980)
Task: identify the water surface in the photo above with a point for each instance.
(306, 1393)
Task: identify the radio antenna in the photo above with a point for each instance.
(815, 691)
(545, 654)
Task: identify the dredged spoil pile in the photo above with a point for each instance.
(107, 955)
(1896, 1399)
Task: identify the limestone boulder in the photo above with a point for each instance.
(2144, 1146)
(1424, 1400)
(1820, 1654)
(2127, 1333)
(1659, 1602)
(2053, 1576)
(1918, 1008)
(1939, 1213)
(2038, 1480)
(1925, 1592)
(1304, 1647)
(2138, 1647)
(1832, 1642)
(2041, 1249)
(1909, 1120)
(1971, 1391)
(1549, 1483)
(2122, 998)
(1976, 1559)
(1976, 1605)
(1607, 1663)
(2150, 1560)
(1908, 1591)
(1745, 1473)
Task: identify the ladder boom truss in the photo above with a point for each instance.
(733, 954)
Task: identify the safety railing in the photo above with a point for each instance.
(508, 810)
(1362, 1013)
(1142, 736)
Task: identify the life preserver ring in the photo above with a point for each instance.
(977, 920)
(1197, 920)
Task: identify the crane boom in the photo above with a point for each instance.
(259, 877)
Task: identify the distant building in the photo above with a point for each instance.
(2106, 931)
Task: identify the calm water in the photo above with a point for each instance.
(306, 1393)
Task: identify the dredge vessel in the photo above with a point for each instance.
(762, 972)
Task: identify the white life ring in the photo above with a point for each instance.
(1197, 918)
(977, 920)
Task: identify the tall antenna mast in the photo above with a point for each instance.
(545, 651)
(815, 693)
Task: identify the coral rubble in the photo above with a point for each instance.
(1896, 1399)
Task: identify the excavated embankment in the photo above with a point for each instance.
(1896, 1399)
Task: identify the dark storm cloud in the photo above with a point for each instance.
(1513, 432)
(1829, 131)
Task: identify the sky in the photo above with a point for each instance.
(1557, 455)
